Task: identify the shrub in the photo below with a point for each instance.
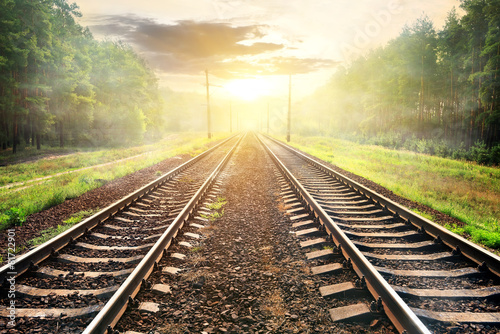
(479, 153)
(15, 216)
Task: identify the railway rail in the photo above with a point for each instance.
(98, 265)
(419, 275)
(417, 271)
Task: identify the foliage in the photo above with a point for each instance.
(219, 203)
(58, 84)
(51, 232)
(15, 217)
(36, 197)
(217, 209)
(429, 91)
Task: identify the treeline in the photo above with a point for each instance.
(58, 85)
(433, 91)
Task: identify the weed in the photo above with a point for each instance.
(186, 179)
(177, 328)
(217, 206)
(216, 215)
(15, 216)
(19, 249)
(274, 305)
(219, 203)
(424, 214)
(51, 232)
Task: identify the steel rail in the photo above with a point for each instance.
(485, 259)
(42, 252)
(116, 306)
(396, 309)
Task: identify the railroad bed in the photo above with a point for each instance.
(67, 280)
(421, 276)
(270, 242)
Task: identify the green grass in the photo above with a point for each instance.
(217, 207)
(56, 161)
(219, 203)
(464, 190)
(16, 205)
(49, 233)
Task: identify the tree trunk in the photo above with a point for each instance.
(14, 135)
(61, 134)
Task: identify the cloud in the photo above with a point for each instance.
(186, 39)
(188, 47)
(271, 66)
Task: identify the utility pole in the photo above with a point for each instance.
(267, 117)
(209, 123)
(230, 118)
(260, 121)
(289, 108)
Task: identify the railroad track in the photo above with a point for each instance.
(99, 265)
(423, 277)
(420, 276)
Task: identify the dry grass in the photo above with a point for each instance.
(172, 329)
(209, 230)
(281, 206)
(273, 305)
(196, 259)
(190, 275)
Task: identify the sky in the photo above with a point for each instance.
(251, 47)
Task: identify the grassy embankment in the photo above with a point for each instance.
(21, 200)
(464, 190)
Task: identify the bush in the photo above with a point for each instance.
(479, 153)
(438, 147)
(15, 216)
(494, 156)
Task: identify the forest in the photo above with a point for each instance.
(428, 90)
(60, 86)
(431, 91)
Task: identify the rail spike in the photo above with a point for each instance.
(457, 251)
(360, 283)
(483, 267)
(33, 267)
(347, 264)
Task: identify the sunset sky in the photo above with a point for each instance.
(250, 47)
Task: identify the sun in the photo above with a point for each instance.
(249, 89)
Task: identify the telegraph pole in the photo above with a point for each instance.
(289, 108)
(260, 121)
(267, 117)
(230, 118)
(209, 123)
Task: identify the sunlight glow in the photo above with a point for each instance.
(249, 89)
